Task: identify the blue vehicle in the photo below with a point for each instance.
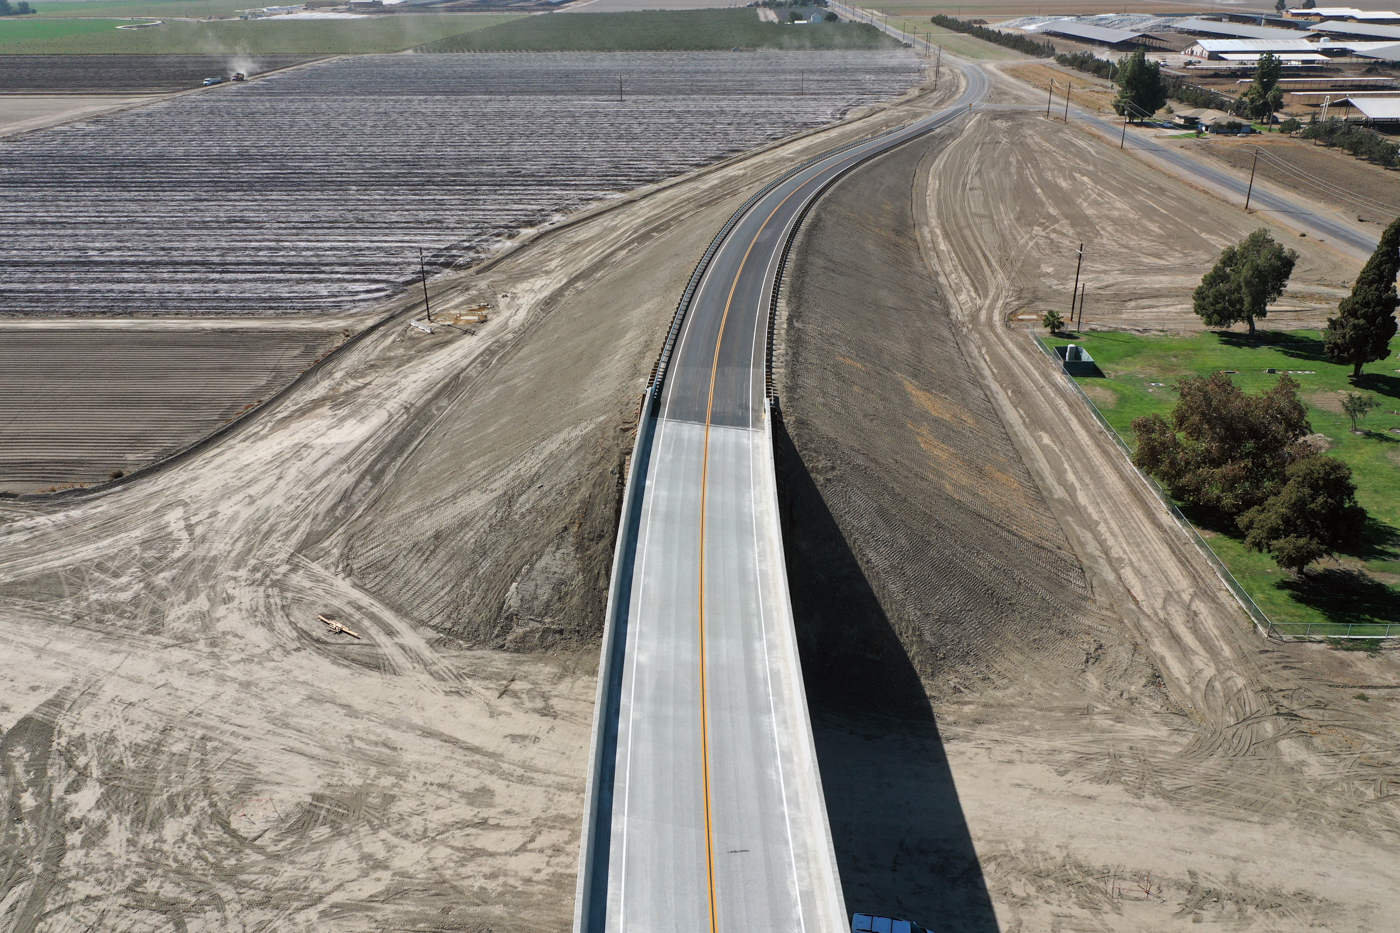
(868, 923)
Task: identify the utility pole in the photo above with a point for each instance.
(1068, 87)
(1250, 192)
(1082, 289)
(936, 66)
(1051, 99)
(1124, 137)
(1074, 294)
(619, 89)
(423, 271)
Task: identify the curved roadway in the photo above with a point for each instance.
(705, 805)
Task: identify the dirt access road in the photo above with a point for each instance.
(186, 746)
(1091, 736)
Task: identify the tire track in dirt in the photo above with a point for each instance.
(1253, 734)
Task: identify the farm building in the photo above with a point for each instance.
(1373, 109)
(1120, 39)
(1343, 14)
(1359, 31)
(1380, 51)
(1207, 27)
(1251, 49)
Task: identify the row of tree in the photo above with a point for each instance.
(1010, 40)
(15, 9)
(1358, 141)
(1251, 275)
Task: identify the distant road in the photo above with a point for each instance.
(1186, 165)
(705, 806)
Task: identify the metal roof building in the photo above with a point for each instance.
(1294, 58)
(1376, 50)
(1237, 30)
(1377, 109)
(1344, 13)
(1087, 32)
(1220, 48)
(1359, 29)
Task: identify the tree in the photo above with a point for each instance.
(1264, 97)
(1361, 332)
(1280, 6)
(1052, 322)
(1356, 406)
(1223, 449)
(1308, 5)
(1315, 513)
(1140, 90)
(1246, 279)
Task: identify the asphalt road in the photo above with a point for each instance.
(1260, 199)
(707, 781)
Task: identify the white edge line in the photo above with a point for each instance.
(640, 577)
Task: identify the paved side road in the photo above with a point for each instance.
(706, 810)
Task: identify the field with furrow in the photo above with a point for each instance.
(313, 189)
(80, 404)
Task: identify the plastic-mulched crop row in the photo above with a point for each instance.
(312, 189)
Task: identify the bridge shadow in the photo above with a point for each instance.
(901, 838)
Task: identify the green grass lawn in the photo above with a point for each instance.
(1139, 373)
(157, 9)
(26, 30)
(656, 30)
(388, 33)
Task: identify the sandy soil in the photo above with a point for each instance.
(1137, 759)
(186, 746)
(20, 113)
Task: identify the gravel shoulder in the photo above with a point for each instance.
(1129, 756)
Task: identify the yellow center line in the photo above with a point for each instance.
(704, 484)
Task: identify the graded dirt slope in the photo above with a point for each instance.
(908, 452)
(1138, 760)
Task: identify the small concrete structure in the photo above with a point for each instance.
(1077, 361)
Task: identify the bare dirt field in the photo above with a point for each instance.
(1368, 192)
(1128, 755)
(24, 113)
(84, 399)
(186, 746)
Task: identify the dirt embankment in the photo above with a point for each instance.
(906, 450)
(1129, 756)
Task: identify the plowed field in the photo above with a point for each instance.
(313, 189)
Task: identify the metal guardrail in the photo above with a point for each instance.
(1261, 621)
(598, 789)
